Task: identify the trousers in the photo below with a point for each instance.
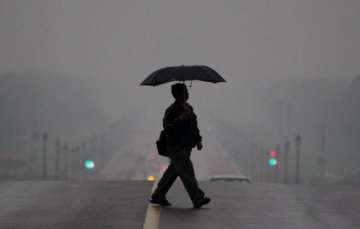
(180, 166)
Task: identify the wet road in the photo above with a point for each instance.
(124, 204)
(90, 205)
(236, 205)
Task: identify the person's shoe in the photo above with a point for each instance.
(203, 201)
(161, 202)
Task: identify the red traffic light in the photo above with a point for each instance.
(273, 153)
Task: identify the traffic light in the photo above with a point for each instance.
(89, 164)
(273, 158)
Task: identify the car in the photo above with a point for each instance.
(230, 177)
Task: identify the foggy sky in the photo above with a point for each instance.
(252, 43)
(123, 41)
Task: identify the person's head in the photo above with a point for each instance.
(180, 92)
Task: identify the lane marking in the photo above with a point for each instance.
(152, 218)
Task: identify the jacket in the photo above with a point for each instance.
(180, 125)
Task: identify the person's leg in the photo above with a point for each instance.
(165, 183)
(185, 170)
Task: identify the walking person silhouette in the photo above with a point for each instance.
(182, 134)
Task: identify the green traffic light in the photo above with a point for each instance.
(272, 162)
(89, 164)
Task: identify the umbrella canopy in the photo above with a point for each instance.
(183, 73)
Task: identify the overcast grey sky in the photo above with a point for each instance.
(248, 38)
(122, 41)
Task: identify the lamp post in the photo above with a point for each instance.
(297, 154)
(33, 155)
(277, 167)
(286, 160)
(321, 161)
(66, 161)
(57, 158)
(45, 139)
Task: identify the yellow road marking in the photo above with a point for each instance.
(152, 218)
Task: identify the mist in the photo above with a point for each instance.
(73, 69)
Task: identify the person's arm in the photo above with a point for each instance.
(199, 145)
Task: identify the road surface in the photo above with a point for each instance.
(266, 205)
(73, 205)
(123, 204)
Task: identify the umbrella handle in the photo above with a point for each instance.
(190, 83)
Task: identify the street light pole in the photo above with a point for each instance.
(297, 154)
(263, 165)
(321, 162)
(286, 160)
(66, 161)
(45, 139)
(34, 156)
(277, 167)
(57, 155)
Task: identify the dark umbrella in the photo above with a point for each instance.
(183, 73)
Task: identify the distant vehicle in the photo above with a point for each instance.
(230, 177)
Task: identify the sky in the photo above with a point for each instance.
(121, 42)
(242, 39)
